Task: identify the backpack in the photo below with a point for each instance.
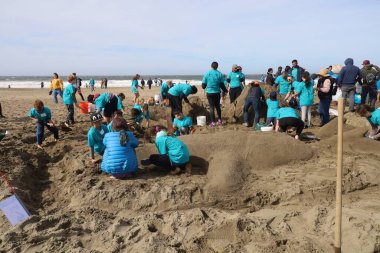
(370, 78)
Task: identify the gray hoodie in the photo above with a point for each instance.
(350, 74)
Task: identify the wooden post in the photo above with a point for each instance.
(339, 168)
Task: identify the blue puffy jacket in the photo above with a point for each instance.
(117, 159)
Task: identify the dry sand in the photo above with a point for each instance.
(250, 192)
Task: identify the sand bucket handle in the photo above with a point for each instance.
(6, 180)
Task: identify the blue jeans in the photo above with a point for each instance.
(255, 103)
(271, 120)
(323, 108)
(41, 130)
(55, 93)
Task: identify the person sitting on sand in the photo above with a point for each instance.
(273, 106)
(165, 88)
(119, 159)
(69, 99)
(116, 114)
(182, 125)
(173, 153)
(213, 83)
(141, 112)
(41, 115)
(96, 135)
(287, 117)
(107, 102)
(56, 87)
(373, 117)
(178, 93)
(305, 92)
(135, 87)
(254, 97)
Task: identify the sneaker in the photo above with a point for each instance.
(245, 124)
(67, 124)
(212, 124)
(145, 162)
(219, 123)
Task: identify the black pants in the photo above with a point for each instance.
(372, 92)
(235, 93)
(164, 161)
(214, 102)
(110, 107)
(70, 115)
(175, 102)
(150, 86)
(284, 123)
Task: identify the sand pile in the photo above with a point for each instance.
(250, 192)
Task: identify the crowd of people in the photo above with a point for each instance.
(112, 141)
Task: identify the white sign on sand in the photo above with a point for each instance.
(14, 210)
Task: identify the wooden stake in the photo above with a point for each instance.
(339, 168)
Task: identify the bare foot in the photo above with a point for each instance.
(112, 177)
(39, 147)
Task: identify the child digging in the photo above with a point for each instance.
(182, 125)
(373, 117)
(96, 135)
(41, 115)
(173, 153)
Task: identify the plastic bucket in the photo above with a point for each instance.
(201, 120)
(157, 99)
(84, 108)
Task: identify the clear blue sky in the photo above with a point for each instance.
(125, 37)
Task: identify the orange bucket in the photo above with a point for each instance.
(83, 107)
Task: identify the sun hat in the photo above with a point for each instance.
(324, 73)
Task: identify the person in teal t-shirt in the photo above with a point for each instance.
(213, 82)
(92, 84)
(173, 153)
(282, 84)
(139, 113)
(287, 117)
(305, 92)
(373, 117)
(69, 99)
(273, 106)
(96, 135)
(180, 92)
(42, 117)
(165, 88)
(135, 87)
(235, 83)
(182, 125)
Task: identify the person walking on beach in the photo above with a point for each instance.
(135, 88)
(70, 100)
(78, 85)
(348, 76)
(150, 82)
(297, 71)
(213, 82)
(142, 82)
(42, 85)
(370, 74)
(102, 83)
(92, 84)
(105, 83)
(56, 87)
(269, 79)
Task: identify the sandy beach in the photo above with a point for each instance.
(250, 191)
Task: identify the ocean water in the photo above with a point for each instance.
(113, 81)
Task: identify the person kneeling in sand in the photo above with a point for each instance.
(119, 159)
(96, 135)
(173, 153)
(42, 117)
(374, 119)
(287, 117)
(108, 103)
(182, 125)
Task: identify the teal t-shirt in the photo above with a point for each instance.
(179, 89)
(92, 82)
(164, 89)
(235, 79)
(286, 112)
(306, 94)
(283, 85)
(375, 118)
(186, 122)
(295, 73)
(213, 79)
(68, 92)
(95, 138)
(273, 106)
(103, 99)
(109, 127)
(135, 86)
(43, 116)
(294, 85)
(142, 114)
(174, 148)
